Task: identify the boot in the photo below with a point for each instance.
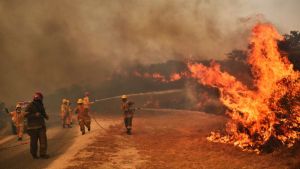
(129, 131)
(35, 157)
(45, 156)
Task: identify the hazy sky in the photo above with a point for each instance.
(45, 45)
(283, 13)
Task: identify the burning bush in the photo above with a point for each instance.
(267, 115)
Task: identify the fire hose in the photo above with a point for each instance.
(105, 99)
(140, 94)
(98, 123)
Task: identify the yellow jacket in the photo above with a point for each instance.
(86, 102)
(17, 118)
(64, 110)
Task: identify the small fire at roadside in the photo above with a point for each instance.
(161, 78)
(267, 116)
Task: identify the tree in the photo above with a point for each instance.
(291, 46)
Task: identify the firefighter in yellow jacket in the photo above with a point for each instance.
(84, 118)
(86, 101)
(71, 112)
(128, 110)
(18, 121)
(65, 112)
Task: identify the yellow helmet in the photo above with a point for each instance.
(64, 100)
(124, 97)
(79, 101)
(18, 106)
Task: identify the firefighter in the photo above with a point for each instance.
(13, 126)
(65, 113)
(36, 127)
(18, 121)
(86, 101)
(70, 112)
(128, 110)
(83, 116)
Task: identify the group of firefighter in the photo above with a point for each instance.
(82, 111)
(36, 115)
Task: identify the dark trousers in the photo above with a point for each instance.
(128, 122)
(13, 128)
(84, 123)
(38, 135)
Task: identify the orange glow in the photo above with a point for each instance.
(175, 77)
(269, 112)
(161, 78)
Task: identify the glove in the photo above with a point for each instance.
(37, 114)
(46, 117)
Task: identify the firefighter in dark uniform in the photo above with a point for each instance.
(128, 110)
(36, 115)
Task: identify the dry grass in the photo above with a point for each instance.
(163, 140)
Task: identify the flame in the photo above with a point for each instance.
(161, 78)
(175, 77)
(270, 111)
(137, 74)
(156, 76)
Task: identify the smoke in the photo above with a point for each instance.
(46, 45)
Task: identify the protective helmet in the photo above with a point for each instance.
(124, 97)
(38, 96)
(18, 106)
(79, 101)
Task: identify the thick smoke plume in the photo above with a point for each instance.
(46, 45)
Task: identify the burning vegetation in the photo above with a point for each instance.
(266, 116)
(162, 78)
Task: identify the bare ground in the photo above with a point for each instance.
(173, 139)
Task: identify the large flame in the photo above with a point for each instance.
(267, 114)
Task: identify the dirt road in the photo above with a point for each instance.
(174, 140)
(15, 155)
(161, 139)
